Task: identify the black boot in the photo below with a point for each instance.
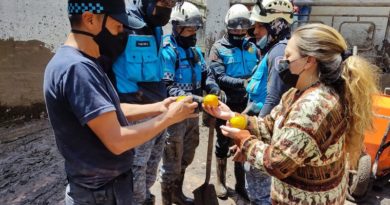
(221, 178)
(178, 196)
(166, 193)
(239, 173)
(151, 200)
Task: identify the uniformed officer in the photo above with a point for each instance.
(273, 19)
(232, 59)
(138, 79)
(184, 74)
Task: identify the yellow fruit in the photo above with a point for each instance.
(211, 100)
(180, 98)
(238, 121)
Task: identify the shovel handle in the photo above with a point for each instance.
(210, 149)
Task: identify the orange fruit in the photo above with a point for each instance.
(211, 100)
(180, 98)
(238, 121)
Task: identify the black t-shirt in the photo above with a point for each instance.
(76, 91)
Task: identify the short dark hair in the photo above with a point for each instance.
(75, 20)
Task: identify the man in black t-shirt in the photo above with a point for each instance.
(89, 123)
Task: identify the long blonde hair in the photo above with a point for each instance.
(353, 78)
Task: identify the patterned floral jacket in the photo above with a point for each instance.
(301, 144)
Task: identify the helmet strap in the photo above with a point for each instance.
(262, 9)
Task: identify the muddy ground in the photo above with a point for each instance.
(32, 172)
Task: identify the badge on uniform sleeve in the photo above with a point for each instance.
(251, 49)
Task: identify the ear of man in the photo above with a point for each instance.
(91, 22)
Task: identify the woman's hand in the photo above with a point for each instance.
(239, 136)
(222, 111)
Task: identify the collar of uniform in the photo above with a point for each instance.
(225, 41)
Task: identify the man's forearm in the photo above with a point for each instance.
(119, 139)
(135, 135)
(134, 112)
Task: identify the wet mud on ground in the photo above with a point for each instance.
(32, 170)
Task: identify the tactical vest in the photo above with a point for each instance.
(189, 65)
(257, 87)
(140, 62)
(239, 63)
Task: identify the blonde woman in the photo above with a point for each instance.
(306, 140)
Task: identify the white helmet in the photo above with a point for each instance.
(238, 17)
(186, 14)
(266, 11)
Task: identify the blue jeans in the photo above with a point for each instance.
(117, 192)
(258, 186)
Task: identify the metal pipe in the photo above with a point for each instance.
(345, 3)
(346, 15)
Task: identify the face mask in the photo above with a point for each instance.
(161, 16)
(236, 40)
(186, 42)
(109, 45)
(262, 43)
(251, 32)
(285, 74)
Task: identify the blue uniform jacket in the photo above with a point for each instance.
(138, 70)
(231, 66)
(184, 69)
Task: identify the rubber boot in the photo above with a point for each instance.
(166, 194)
(178, 196)
(221, 178)
(151, 200)
(239, 173)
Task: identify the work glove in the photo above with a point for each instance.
(220, 93)
(252, 109)
(197, 98)
(215, 91)
(246, 82)
(222, 96)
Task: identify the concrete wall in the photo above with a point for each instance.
(215, 26)
(29, 33)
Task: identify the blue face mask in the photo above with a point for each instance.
(262, 43)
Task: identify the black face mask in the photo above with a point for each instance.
(285, 74)
(236, 40)
(186, 42)
(161, 17)
(110, 45)
(251, 32)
